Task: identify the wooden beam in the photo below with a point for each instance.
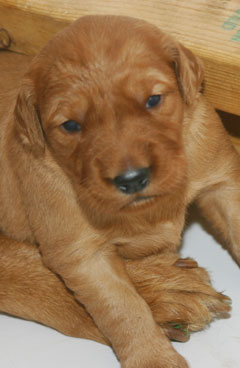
(210, 28)
(28, 32)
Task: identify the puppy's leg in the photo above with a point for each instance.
(214, 169)
(29, 290)
(177, 291)
(220, 204)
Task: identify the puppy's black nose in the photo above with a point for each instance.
(132, 181)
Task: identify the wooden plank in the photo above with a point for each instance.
(28, 32)
(210, 28)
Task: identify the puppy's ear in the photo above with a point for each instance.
(188, 69)
(27, 119)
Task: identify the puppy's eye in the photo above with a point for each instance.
(71, 126)
(153, 101)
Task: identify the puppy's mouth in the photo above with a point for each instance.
(140, 201)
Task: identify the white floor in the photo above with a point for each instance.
(26, 344)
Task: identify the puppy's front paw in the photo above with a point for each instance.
(179, 294)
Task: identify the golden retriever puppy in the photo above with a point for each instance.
(105, 144)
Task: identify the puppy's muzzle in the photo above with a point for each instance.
(133, 180)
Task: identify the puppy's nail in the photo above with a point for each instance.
(226, 300)
(221, 310)
(186, 262)
(176, 333)
(223, 315)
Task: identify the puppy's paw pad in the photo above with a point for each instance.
(177, 332)
(186, 262)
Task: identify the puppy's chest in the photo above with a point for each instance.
(163, 237)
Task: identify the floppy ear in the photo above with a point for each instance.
(189, 71)
(27, 120)
(188, 68)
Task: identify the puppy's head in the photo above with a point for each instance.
(107, 97)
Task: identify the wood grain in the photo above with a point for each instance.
(211, 28)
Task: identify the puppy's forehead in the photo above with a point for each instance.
(104, 42)
(112, 37)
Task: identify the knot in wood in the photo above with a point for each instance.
(5, 39)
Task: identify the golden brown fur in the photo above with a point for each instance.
(61, 213)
